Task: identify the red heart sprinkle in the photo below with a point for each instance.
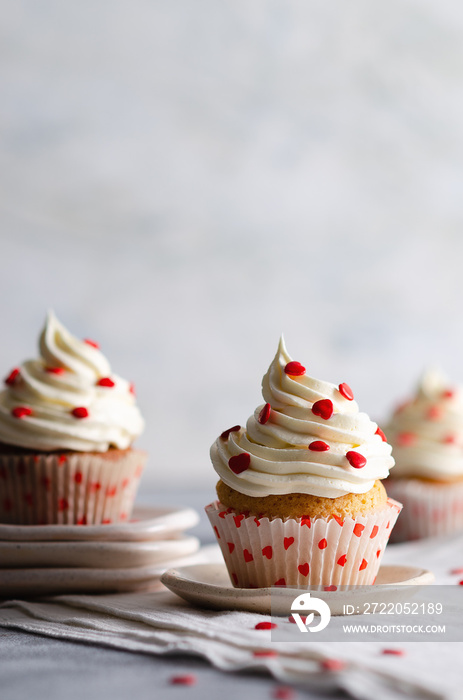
(105, 381)
(322, 544)
(13, 375)
(247, 555)
(267, 552)
(187, 679)
(216, 532)
(239, 463)
(21, 411)
(363, 565)
(265, 652)
(55, 370)
(238, 519)
(280, 582)
(332, 664)
(264, 415)
(226, 433)
(92, 343)
(265, 626)
(381, 434)
(132, 389)
(406, 439)
(80, 412)
(303, 569)
(346, 391)
(393, 652)
(374, 531)
(318, 446)
(305, 520)
(231, 546)
(358, 529)
(342, 559)
(355, 459)
(448, 394)
(235, 579)
(450, 439)
(330, 588)
(323, 408)
(78, 476)
(434, 413)
(287, 542)
(294, 369)
(283, 692)
(338, 520)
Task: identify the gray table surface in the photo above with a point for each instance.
(35, 667)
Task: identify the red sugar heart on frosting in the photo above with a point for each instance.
(239, 463)
(55, 370)
(21, 411)
(294, 369)
(267, 552)
(105, 381)
(304, 569)
(92, 343)
(12, 377)
(80, 412)
(323, 408)
(318, 446)
(287, 542)
(226, 433)
(355, 459)
(265, 626)
(264, 415)
(346, 391)
(381, 434)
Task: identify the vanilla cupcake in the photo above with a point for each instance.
(427, 438)
(67, 425)
(300, 494)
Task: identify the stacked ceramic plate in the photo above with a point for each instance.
(50, 559)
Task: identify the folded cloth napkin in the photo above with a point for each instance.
(161, 623)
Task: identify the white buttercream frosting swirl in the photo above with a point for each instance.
(280, 460)
(427, 432)
(41, 405)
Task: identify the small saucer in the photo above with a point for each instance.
(145, 524)
(101, 555)
(209, 586)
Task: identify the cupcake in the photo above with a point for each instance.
(300, 498)
(427, 438)
(67, 425)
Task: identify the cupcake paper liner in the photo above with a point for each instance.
(73, 489)
(259, 552)
(430, 510)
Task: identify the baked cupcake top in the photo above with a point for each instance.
(427, 432)
(68, 398)
(309, 437)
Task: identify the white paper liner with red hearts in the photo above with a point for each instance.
(259, 552)
(77, 488)
(430, 510)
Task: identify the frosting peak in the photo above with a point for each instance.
(427, 431)
(309, 437)
(73, 400)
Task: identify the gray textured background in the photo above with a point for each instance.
(184, 181)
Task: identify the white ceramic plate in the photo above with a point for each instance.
(146, 524)
(209, 586)
(101, 555)
(27, 583)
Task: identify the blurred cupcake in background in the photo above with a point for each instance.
(426, 433)
(301, 501)
(67, 424)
